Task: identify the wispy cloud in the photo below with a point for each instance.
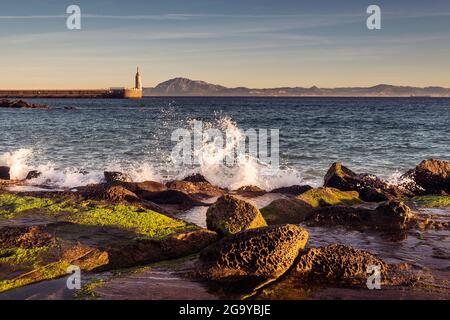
(191, 16)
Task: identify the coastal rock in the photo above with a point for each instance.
(146, 186)
(337, 264)
(115, 176)
(92, 248)
(340, 215)
(390, 215)
(282, 211)
(172, 197)
(292, 190)
(250, 191)
(195, 178)
(297, 209)
(321, 197)
(4, 173)
(118, 193)
(33, 175)
(370, 188)
(25, 237)
(393, 213)
(198, 189)
(174, 246)
(19, 104)
(230, 215)
(253, 257)
(109, 192)
(429, 177)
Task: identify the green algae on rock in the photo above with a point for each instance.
(12, 204)
(94, 235)
(286, 211)
(144, 222)
(432, 201)
(321, 197)
(298, 209)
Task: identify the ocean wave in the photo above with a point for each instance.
(246, 171)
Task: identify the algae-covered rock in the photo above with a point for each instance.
(230, 215)
(299, 208)
(253, 256)
(338, 264)
(321, 197)
(370, 188)
(432, 201)
(41, 237)
(286, 211)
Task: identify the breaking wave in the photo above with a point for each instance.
(246, 169)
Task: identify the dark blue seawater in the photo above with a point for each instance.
(383, 136)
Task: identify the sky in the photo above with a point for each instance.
(252, 43)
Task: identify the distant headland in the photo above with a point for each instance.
(187, 87)
(197, 88)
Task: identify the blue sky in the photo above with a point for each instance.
(233, 43)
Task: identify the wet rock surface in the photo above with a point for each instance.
(370, 188)
(230, 215)
(429, 177)
(390, 215)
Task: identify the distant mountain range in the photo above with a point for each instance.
(187, 87)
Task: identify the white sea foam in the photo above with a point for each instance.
(17, 162)
(246, 170)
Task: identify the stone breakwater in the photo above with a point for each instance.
(250, 251)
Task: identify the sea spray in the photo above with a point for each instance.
(220, 163)
(17, 162)
(224, 161)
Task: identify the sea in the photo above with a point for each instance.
(76, 140)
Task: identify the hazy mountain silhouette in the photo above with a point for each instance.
(187, 87)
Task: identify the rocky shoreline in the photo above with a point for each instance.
(21, 104)
(121, 224)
